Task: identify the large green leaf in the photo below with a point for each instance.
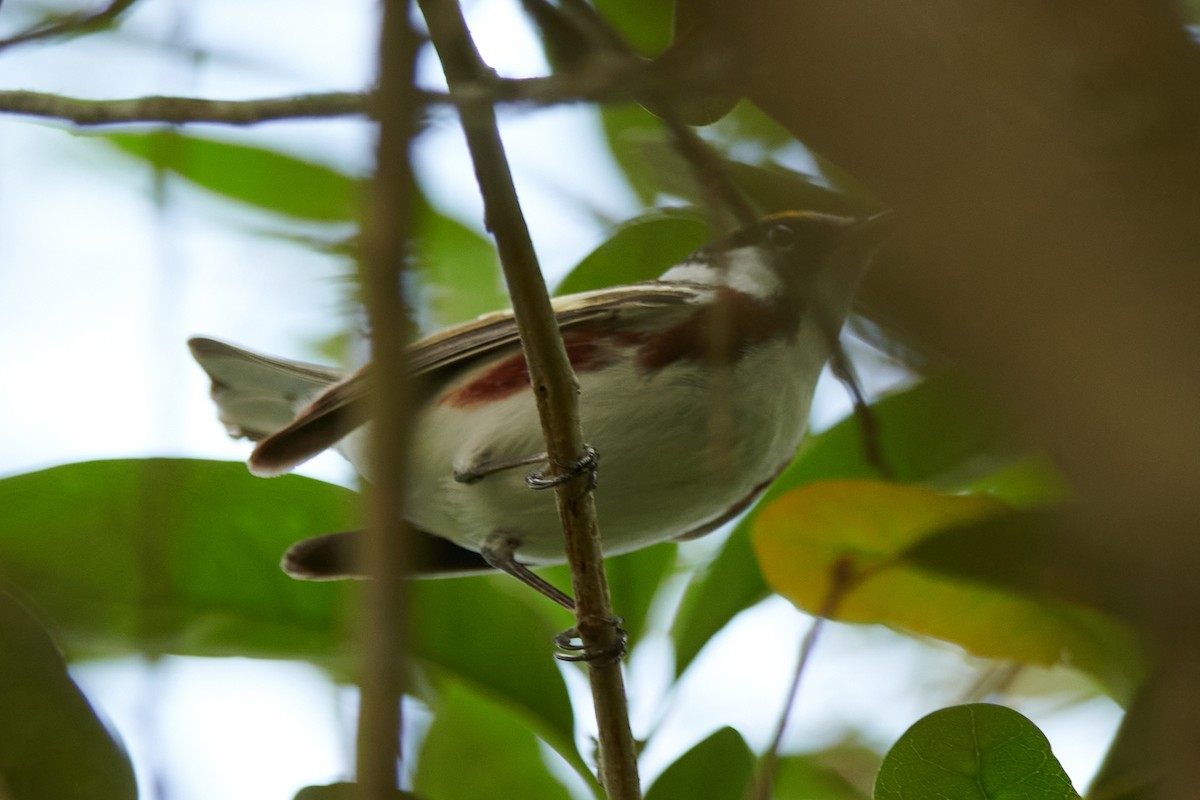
(973, 752)
(721, 767)
(478, 750)
(172, 555)
(936, 432)
(253, 175)
(181, 556)
(52, 745)
(639, 250)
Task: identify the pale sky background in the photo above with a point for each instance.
(99, 290)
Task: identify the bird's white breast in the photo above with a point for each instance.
(675, 452)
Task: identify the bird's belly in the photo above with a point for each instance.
(674, 455)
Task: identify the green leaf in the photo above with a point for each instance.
(645, 24)
(805, 778)
(253, 175)
(861, 529)
(181, 556)
(639, 250)
(1035, 554)
(937, 431)
(973, 752)
(634, 580)
(497, 635)
(625, 126)
(642, 149)
(719, 767)
(342, 791)
(478, 750)
(52, 745)
(172, 555)
(459, 270)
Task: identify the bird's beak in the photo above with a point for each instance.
(872, 230)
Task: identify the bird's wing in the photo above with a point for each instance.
(337, 411)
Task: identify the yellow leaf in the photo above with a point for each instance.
(853, 532)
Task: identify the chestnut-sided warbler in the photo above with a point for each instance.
(763, 307)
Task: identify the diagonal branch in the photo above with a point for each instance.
(555, 389)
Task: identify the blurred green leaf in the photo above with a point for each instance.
(746, 122)
(936, 432)
(634, 580)
(645, 24)
(478, 750)
(181, 556)
(496, 635)
(862, 529)
(459, 269)
(719, 767)
(645, 151)
(639, 250)
(939, 432)
(172, 555)
(624, 125)
(973, 752)
(54, 746)
(248, 174)
(805, 778)
(341, 791)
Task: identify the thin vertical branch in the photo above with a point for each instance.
(840, 581)
(386, 228)
(555, 390)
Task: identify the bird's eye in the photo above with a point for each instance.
(781, 237)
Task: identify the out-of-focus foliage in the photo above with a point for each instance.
(180, 556)
(719, 766)
(52, 745)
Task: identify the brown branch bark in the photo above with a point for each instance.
(386, 230)
(179, 110)
(555, 390)
(607, 81)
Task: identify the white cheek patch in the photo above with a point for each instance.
(745, 269)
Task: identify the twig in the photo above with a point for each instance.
(71, 25)
(385, 234)
(840, 582)
(554, 389)
(177, 110)
(604, 81)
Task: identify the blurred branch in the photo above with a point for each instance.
(176, 110)
(71, 25)
(555, 390)
(604, 80)
(387, 226)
